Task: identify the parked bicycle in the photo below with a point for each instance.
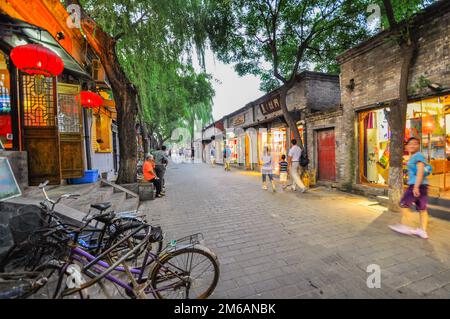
(59, 258)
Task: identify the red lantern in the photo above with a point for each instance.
(35, 59)
(91, 100)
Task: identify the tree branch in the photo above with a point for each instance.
(390, 13)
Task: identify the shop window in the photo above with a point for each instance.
(374, 147)
(6, 133)
(101, 131)
(278, 147)
(429, 121)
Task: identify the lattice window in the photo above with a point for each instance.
(38, 101)
(69, 114)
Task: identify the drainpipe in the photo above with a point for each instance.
(87, 140)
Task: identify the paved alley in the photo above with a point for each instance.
(292, 245)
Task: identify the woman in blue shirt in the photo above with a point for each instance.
(417, 192)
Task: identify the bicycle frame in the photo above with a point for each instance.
(92, 262)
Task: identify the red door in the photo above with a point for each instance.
(326, 155)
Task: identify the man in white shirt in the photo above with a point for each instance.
(294, 161)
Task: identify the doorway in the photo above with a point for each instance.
(326, 155)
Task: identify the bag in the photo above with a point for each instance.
(304, 160)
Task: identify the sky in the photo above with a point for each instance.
(232, 91)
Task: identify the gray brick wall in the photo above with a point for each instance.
(375, 69)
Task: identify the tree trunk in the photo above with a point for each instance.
(287, 116)
(397, 123)
(145, 139)
(125, 95)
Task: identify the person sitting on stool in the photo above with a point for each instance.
(150, 175)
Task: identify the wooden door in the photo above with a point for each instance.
(326, 155)
(70, 131)
(40, 128)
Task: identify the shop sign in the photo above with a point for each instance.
(8, 184)
(270, 106)
(239, 120)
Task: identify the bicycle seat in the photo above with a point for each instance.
(101, 206)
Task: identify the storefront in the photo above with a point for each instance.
(6, 128)
(42, 115)
(232, 143)
(427, 119)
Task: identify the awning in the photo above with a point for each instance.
(16, 32)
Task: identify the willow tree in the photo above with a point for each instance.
(273, 39)
(159, 25)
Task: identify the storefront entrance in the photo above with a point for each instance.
(428, 120)
(70, 131)
(40, 129)
(326, 155)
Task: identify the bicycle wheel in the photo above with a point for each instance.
(188, 273)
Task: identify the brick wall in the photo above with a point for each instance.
(375, 66)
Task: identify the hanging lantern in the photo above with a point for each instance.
(90, 100)
(35, 59)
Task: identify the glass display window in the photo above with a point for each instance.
(6, 132)
(374, 147)
(278, 147)
(429, 121)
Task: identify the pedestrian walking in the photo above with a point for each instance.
(161, 162)
(267, 170)
(212, 154)
(284, 171)
(294, 155)
(416, 193)
(150, 175)
(228, 154)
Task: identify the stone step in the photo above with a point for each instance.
(441, 212)
(117, 200)
(131, 204)
(119, 188)
(100, 195)
(438, 207)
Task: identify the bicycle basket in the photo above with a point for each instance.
(6, 241)
(35, 242)
(24, 225)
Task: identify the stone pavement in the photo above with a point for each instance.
(292, 245)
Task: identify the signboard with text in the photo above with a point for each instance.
(270, 106)
(8, 184)
(239, 120)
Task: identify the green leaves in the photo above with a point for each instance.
(156, 39)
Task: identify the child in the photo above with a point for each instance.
(266, 169)
(417, 192)
(283, 171)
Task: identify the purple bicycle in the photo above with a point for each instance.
(183, 269)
